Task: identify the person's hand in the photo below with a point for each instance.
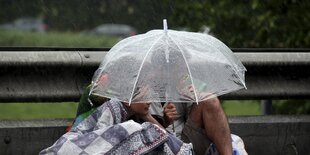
(170, 113)
(149, 118)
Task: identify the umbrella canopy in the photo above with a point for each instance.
(168, 66)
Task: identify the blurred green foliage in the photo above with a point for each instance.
(77, 15)
(254, 23)
(239, 23)
(53, 39)
(241, 107)
(291, 107)
(24, 111)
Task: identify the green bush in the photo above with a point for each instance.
(291, 107)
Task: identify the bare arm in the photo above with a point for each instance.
(151, 119)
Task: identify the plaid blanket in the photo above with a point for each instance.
(107, 131)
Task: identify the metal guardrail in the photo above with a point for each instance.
(263, 135)
(62, 74)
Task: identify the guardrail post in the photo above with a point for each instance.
(266, 107)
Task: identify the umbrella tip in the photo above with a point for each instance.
(165, 26)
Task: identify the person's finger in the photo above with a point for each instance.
(171, 113)
(171, 109)
(170, 105)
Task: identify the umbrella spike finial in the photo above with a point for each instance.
(165, 26)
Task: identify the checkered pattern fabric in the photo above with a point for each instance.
(106, 131)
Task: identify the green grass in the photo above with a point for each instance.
(24, 111)
(53, 39)
(236, 107)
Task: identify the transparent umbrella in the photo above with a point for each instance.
(168, 66)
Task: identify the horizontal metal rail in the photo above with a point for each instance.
(261, 135)
(61, 74)
(44, 75)
(106, 49)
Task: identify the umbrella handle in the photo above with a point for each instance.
(173, 129)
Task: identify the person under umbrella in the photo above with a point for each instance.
(110, 129)
(221, 72)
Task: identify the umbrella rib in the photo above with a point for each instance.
(129, 43)
(212, 38)
(111, 55)
(218, 49)
(135, 84)
(189, 71)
